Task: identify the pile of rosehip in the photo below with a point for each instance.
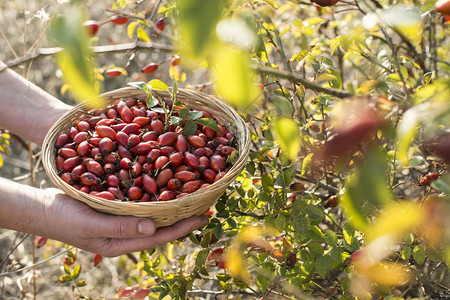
(128, 152)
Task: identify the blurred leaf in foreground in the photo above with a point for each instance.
(76, 59)
(235, 79)
(367, 191)
(288, 136)
(197, 25)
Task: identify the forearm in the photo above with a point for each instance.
(27, 110)
(21, 207)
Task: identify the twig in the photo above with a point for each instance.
(138, 45)
(38, 263)
(13, 249)
(318, 183)
(306, 83)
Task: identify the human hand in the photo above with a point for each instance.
(73, 222)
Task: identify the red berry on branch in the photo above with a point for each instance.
(97, 259)
(41, 241)
(325, 2)
(119, 20)
(160, 24)
(91, 27)
(175, 61)
(150, 68)
(114, 72)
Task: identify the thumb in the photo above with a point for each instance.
(123, 227)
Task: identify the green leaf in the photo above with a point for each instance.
(206, 239)
(81, 283)
(442, 184)
(209, 123)
(175, 120)
(267, 182)
(366, 191)
(158, 85)
(264, 278)
(299, 219)
(184, 113)
(189, 128)
(201, 258)
(288, 136)
(331, 238)
(194, 115)
(323, 264)
(315, 249)
(64, 278)
(406, 253)
(197, 23)
(218, 231)
(316, 234)
(76, 272)
(223, 277)
(280, 222)
(418, 254)
(349, 233)
(306, 163)
(159, 110)
(286, 177)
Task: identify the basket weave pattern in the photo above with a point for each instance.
(164, 213)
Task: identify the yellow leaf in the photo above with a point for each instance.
(143, 35)
(158, 85)
(288, 136)
(235, 264)
(235, 79)
(85, 89)
(174, 73)
(396, 220)
(389, 274)
(130, 29)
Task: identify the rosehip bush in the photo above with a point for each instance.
(345, 194)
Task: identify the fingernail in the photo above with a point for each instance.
(146, 227)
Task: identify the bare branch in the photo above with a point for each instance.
(306, 83)
(42, 52)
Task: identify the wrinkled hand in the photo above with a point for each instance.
(73, 222)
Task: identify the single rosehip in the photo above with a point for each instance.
(150, 68)
(324, 3)
(140, 293)
(160, 24)
(119, 20)
(41, 241)
(175, 61)
(97, 259)
(442, 7)
(91, 27)
(114, 72)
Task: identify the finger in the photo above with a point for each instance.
(161, 236)
(121, 227)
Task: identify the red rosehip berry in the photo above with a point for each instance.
(114, 72)
(119, 20)
(160, 24)
(150, 68)
(175, 61)
(91, 27)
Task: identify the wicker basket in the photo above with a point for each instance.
(168, 212)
